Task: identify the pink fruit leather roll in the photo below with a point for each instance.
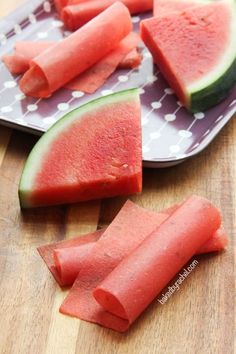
(132, 60)
(69, 261)
(70, 57)
(216, 243)
(16, 63)
(66, 258)
(60, 264)
(75, 16)
(25, 51)
(60, 4)
(93, 78)
(139, 278)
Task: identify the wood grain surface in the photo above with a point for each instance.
(198, 319)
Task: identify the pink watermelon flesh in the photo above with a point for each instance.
(163, 7)
(186, 45)
(95, 156)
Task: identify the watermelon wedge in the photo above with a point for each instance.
(92, 152)
(163, 7)
(186, 47)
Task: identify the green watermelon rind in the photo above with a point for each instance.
(214, 93)
(213, 88)
(43, 145)
(217, 86)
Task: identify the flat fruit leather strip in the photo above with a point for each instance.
(123, 235)
(15, 63)
(69, 261)
(132, 60)
(93, 78)
(25, 51)
(73, 55)
(128, 231)
(31, 49)
(217, 243)
(47, 251)
(139, 278)
(75, 16)
(60, 4)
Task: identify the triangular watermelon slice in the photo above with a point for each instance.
(92, 152)
(163, 7)
(195, 50)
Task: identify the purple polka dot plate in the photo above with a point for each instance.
(170, 133)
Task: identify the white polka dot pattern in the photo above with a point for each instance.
(17, 29)
(136, 19)
(19, 97)
(170, 117)
(106, 92)
(77, 94)
(185, 133)
(32, 107)
(199, 115)
(42, 35)
(57, 23)
(63, 107)
(32, 18)
(10, 84)
(6, 109)
(168, 91)
(156, 105)
(123, 78)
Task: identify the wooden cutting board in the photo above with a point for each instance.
(198, 319)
